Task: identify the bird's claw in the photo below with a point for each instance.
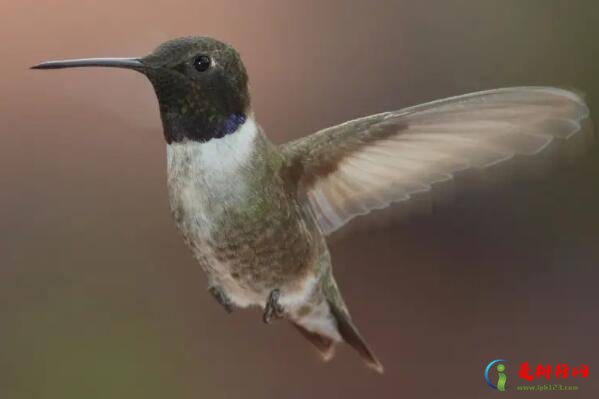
(273, 308)
(221, 298)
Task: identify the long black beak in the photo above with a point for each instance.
(128, 63)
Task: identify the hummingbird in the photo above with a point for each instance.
(256, 215)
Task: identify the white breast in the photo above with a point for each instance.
(204, 177)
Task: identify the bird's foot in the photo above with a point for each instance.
(221, 298)
(273, 308)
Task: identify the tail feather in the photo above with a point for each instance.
(324, 344)
(325, 321)
(350, 334)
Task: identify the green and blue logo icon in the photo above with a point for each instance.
(498, 366)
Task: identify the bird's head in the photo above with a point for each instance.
(201, 84)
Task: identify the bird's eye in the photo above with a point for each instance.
(201, 63)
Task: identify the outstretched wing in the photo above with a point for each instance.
(368, 163)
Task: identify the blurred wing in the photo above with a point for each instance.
(368, 163)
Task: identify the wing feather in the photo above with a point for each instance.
(371, 162)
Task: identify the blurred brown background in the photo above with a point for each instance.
(99, 298)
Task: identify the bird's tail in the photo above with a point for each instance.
(327, 322)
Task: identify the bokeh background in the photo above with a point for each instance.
(99, 298)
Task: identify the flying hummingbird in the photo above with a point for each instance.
(255, 214)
